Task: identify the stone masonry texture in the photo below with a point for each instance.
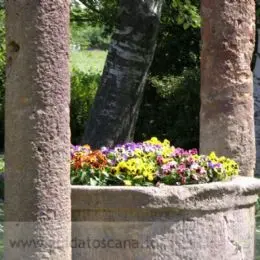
(37, 142)
(227, 107)
(206, 221)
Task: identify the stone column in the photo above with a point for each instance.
(226, 116)
(37, 142)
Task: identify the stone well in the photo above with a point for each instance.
(193, 222)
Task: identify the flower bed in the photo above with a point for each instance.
(147, 164)
(160, 222)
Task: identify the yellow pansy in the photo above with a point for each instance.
(150, 177)
(127, 183)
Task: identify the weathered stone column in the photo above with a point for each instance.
(226, 116)
(37, 142)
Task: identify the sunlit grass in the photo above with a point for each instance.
(92, 60)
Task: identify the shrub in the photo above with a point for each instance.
(87, 36)
(170, 109)
(83, 91)
(2, 77)
(97, 39)
(2, 168)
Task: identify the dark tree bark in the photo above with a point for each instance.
(227, 106)
(115, 110)
(37, 143)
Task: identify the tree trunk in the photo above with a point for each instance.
(37, 143)
(226, 116)
(115, 110)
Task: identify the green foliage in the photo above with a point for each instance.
(104, 12)
(177, 48)
(1, 230)
(2, 164)
(258, 207)
(171, 102)
(170, 109)
(96, 13)
(258, 229)
(188, 14)
(2, 186)
(87, 36)
(2, 77)
(2, 168)
(93, 177)
(86, 61)
(257, 10)
(83, 90)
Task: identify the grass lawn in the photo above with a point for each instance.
(92, 60)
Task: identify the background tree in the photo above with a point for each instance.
(115, 110)
(171, 103)
(174, 55)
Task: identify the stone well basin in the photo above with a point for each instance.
(192, 222)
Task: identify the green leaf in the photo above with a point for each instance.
(180, 19)
(186, 26)
(93, 182)
(83, 176)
